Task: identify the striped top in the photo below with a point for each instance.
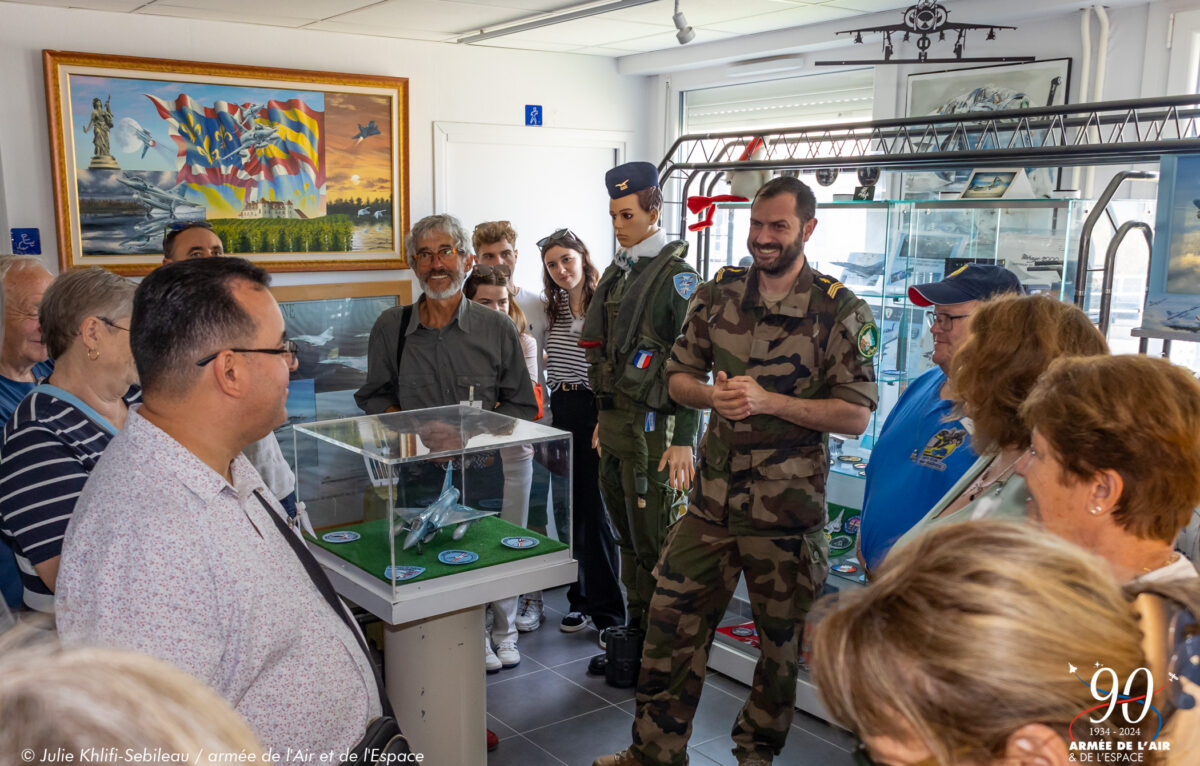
(565, 360)
(48, 449)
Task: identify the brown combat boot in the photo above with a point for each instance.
(623, 758)
(754, 760)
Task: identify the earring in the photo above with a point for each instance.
(1095, 510)
(92, 351)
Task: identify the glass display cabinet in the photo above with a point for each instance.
(400, 500)
(423, 517)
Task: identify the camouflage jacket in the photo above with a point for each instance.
(764, 475)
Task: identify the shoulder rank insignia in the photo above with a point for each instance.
(686, 284)
(730, 272)
(868, 340)
(831, 286)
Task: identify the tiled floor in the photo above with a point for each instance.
(548, 711)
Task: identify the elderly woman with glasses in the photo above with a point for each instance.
(59, 430)
(1013, 339)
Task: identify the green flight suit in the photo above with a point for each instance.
(638, 422)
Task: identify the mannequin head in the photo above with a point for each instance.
(635, 201)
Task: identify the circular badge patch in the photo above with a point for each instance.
(340, 537)
(868, 340)
(826, 176)
(850, 458)
(839, 543)
(402, 573)
(860, 466)
(742, 631)
(492, 504)
(852, 524)
(519, 542)
(845, 568)
(457, 557)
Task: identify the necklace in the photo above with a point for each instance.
(1171, 558)
(979, 485)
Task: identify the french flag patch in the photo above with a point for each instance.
(642, 359)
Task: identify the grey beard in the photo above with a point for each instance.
(440, 295)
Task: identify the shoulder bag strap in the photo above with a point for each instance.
(321, 580)
(405, 318)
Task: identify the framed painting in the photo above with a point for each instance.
(295, 170)
(984, 89)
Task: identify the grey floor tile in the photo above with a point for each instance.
(726, 684)
(550, 647)
(834, 735)
(714, 716)
(577, 671)
(528, 665)
(579, 741)
(802, 749)
(519, 751)
(696, 758)
(539, 699)
(498, 728)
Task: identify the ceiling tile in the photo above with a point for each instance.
(309, 9)
(534, 6)
(792, 17)
(240, 16)
(699, 13)
(595, 30)
(375, 31)
(119, 6)
(510, 43)
(870, 6)
(666, 39)
(394, 16)
(600, 50)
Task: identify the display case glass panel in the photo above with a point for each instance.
(406, 497)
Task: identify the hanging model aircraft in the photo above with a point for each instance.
(370, 129)
(927, 17)
(422, 524)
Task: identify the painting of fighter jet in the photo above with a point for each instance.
(316, 340)
(153, 197)
(254, 139)
(421, 525)
(146, 139)
(365, 131)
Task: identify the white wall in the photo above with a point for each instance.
(446, 82)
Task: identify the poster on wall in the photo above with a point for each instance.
(295, 170)
(1173, 298)
(984, 89)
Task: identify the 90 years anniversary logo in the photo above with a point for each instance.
(1115, 727)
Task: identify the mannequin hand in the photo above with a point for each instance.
(680, 465)
(596, 439)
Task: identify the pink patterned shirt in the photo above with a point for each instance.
(163, 556)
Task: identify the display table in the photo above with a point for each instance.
(433, 653)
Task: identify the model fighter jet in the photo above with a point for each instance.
(927, 17)
(422, 524)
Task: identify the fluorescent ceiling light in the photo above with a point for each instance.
(548, 19)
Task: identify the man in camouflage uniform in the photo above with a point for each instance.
(646, 458)
(791, 350)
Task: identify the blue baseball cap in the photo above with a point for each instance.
(973, 282)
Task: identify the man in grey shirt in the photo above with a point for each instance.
(444, 348)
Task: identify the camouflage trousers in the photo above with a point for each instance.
(697, 574)
(640, 503)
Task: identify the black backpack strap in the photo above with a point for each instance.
(325, 588)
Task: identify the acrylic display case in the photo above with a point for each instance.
(400, 502)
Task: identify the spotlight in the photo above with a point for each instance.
(685, 34)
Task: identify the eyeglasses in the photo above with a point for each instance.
(290, 353)
(945, 320)
(424, 257)
(561, 234)
(112, 324)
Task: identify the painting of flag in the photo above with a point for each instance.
(298, 171)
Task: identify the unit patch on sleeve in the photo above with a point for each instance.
(686, 284)
(868, 340)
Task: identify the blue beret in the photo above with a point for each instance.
(630, 178)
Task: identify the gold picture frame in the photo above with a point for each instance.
(296, 170)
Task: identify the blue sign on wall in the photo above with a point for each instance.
(533, 114)
(26, 242)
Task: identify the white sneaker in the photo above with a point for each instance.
(507, 654)
(532, 613)
(491, 662)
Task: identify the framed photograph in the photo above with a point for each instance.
(984, 89)
(989, 184)
(295, 170)
(1173, 299)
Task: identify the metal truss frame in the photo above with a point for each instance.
(1113, 132)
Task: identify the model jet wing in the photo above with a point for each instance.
(461, 514)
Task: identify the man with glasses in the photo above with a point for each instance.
(190, 239)
(446, 349)
(921, 451)
(177, 548)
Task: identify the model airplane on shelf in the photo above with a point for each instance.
(423, 524)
